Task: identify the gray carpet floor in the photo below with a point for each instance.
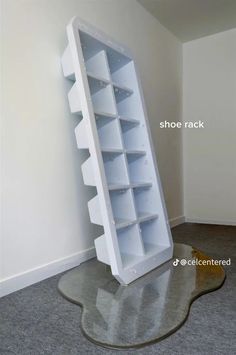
(38, 320)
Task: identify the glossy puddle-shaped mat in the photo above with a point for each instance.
(147, 310)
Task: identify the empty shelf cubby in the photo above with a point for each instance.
(108, 132)
(107, 98)
(130, 245)
(144, 202)
(121, 92)
(97, 66)
(132, 133)
(122, 208)
(148, 230)
(115, 168)
(102, 100)
(138, 168)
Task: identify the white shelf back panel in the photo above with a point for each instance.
(129, 203)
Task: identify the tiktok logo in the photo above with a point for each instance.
(176, 262)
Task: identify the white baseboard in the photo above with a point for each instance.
(19, 281)
(210, 221)
(30, 277)
(176, 221)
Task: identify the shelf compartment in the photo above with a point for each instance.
(132, 134)
(109, 134)
(115, 168)
(116, 60)
(121, 92)
(129, 106)
(144, 204)
(97, 66)
(92, 46)
(122, 208)
(124, 75)
(96, 83)
(149, 236)
(130, 244)
(138, 168)
(103, 100)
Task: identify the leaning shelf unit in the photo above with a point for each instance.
(129, 204)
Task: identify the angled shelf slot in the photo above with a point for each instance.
(97, 66)
(92, 46)
(150, 241)
(108, 133)
(103, 100)
(130, 245)
(122, 208)
(121, 92)
(116, 60)
(115, 168)
(128, 106)
(132, 135)
(123, 75)
(96, 83)
(137, 167)
(144, 202)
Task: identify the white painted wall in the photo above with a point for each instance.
(209, 94)
(45, 221)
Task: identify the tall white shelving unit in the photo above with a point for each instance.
(129, 203)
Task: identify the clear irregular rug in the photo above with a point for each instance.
(147, 310)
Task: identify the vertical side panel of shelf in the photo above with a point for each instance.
(99, 207)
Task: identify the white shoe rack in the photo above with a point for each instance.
(129, 203)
